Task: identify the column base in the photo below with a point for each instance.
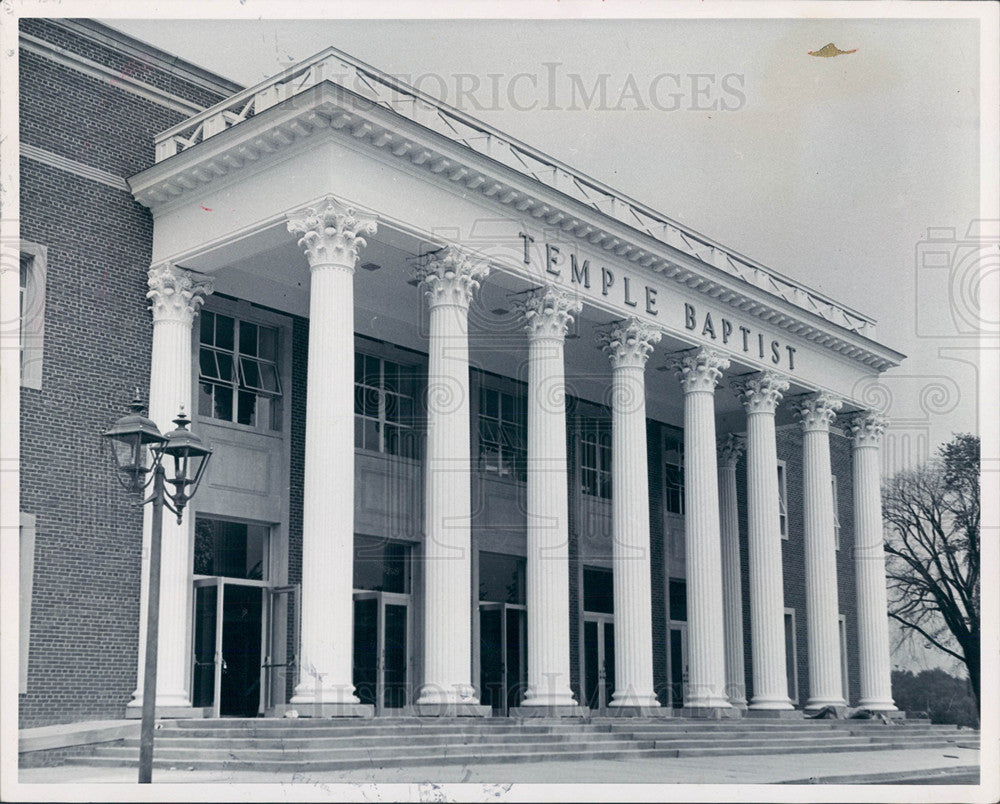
(638, 711)
(740, 704)
(877, 706)
(775, 714)
(170, 712)
(452, 710)
(711, 712)
(550, 711)
(324, 710)
(831, 711)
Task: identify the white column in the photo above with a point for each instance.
(869, 564)
(450, 277)
(699, 374)
(760, 394)
(330, 236)
(628, 345)
(730, 448)
(176, 296)
(817, 412)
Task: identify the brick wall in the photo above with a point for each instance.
(85, 609)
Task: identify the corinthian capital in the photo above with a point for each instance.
(730, 447)
(330, 233)
(451, 275)
(700, 371)
(548, 312)
(818, 411)
(176, 294)
(628, 343)
(867, 428)
(761, 392)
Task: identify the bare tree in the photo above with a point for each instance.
(932, 551)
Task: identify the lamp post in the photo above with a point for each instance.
(139, 449)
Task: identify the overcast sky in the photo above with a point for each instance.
(829, 170)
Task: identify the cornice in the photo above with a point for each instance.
(328, 106)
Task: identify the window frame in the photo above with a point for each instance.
(783, 499)
(590, 430)
(31, 340)
(243, 313)
(515, 468)
(836, 512)
(793, 692)
(676, 436)
(381, 420)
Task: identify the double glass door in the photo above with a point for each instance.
(382, 650)
(230, 620)
(598, 660)
(503, 659)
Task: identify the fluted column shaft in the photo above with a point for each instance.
(628, 346)
(450, 277)
(822, 607)
(730, 449)
(761, 394)
(548, 312)
(330, 235)
(699, 374)
(175, 295)
(869, 564)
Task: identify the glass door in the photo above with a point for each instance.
(503, 661)
(678, 663)
(283, 618)
(382, 650)
(598, 661)
(228, 647)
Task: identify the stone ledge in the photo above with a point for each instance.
(549, 711)
(170, 712)
(452, 710)
(326, 710)
(639, 711)
(776, 714)
(711, 712)
(67, 735)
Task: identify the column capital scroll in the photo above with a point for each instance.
(760, 392)
(867, 427)
(700, 371)
(629, 343)
(331, 233)
(730, 447)
(451, 275)
(548, 312)
(176, 294)
(817, 411)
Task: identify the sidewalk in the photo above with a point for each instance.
(694, 770)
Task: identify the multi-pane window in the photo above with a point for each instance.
(384, 400)
(673, 473)
(238, 363)
(595, 458)
(32, 313)
(836, 514)
(782, 501)
(502, 437)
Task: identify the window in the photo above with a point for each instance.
(32, 313)
(384, 400)
(595, 457)
(843, 659)
(501, 578)
(381, 565)
(782, 500)
(238, 372)
(678, 599)
(502, 423)
(230, 549)
(791, 657)
(673, 473)
(26, 561)
(598, 590)
(836, 514)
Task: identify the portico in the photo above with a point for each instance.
(531, 331)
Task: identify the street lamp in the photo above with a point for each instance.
(139, 449)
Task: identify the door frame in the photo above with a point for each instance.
(272, 593)
(604, 695)
(504, 608)
(681, 627)
(220, 583)
(391, 599)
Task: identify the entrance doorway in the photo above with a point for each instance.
(229, 628)
(598, 660)
(678, 663)
(503, 661)
(382, 650)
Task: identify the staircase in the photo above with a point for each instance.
(302, 745)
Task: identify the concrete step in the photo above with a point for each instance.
(795, 749)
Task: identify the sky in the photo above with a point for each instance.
(830, 170)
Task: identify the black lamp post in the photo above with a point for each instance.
(139, 449)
